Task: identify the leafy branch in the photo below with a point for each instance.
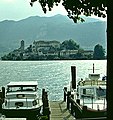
(75, 8)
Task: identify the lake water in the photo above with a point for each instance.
(51, 75)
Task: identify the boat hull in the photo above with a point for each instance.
(89, 113)
(84, 112)
(22, 113)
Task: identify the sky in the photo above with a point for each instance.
(21, 9)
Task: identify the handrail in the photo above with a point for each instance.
(92, 82)
(77, 110)
(86, 95)
(72, 100)
(92, 97)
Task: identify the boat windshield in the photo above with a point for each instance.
(20, 88)
(101, 92)
(87, 92)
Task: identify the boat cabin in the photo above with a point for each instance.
(91, 91)
(21, 95)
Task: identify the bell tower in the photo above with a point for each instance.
(22, 45)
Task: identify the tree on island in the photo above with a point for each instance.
(99, 52)
(69, 45)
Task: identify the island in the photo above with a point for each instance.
(54, 50)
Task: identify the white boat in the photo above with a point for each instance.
(91, 94)
(22, 100)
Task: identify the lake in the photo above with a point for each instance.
(51, 75)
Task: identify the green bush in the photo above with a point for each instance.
(44, 118)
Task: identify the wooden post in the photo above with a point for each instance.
(46, 95)
(84, 112)
(72, 104)
(77, 112)
(72, 96)
(45, 101)
(84, 108)
(3, 92)
(0, 105)
(43, 93)
(46, 110)
(93, 68)
(72, 107)
(68, 97)
(78, 101)
(73, 73)
(2, 96)
(65, 91)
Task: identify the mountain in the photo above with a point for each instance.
(58, 27)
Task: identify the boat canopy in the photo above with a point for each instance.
(22, 86)
(94, 76)
(22, 83)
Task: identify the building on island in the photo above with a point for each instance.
(87, 53)
(45, 45)
(67, 53)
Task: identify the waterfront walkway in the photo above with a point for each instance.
(59, 111)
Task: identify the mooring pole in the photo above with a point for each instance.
(3, 93)
(93, 68)
(73, 73)
(68, 99)
(65, 93)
